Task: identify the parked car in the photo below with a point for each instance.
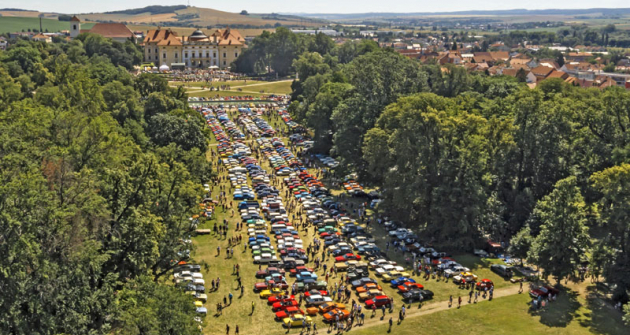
(502, 270)
(379, 301)
(417, 295)
(288, 312)
(543, 291)
(296, 320)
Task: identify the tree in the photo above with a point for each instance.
(561, 245)
(521, 75)
(614, 205)
(244, 12)
(308, 64)
(165, 129)
(521, 243)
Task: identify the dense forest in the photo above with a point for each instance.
(94, 201)
(463, 158)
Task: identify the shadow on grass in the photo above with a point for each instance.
(561, 312)
(602, 318)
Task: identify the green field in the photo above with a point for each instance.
(17, 24)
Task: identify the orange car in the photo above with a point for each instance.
(408, 286)
(330, 316)
(368, 286)
(325, 308)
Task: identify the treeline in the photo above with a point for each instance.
(275, 52)
(607, 36)
(463, 158)
(100, 173)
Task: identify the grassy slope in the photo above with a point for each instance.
(16, 24)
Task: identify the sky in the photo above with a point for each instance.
(317, 6)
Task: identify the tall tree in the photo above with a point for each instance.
(563, 240)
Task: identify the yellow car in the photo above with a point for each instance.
(391, 275)
(198, 303)
(201, 297)
(295, 320)
(370, 294)
(405, 274)
(273, 292)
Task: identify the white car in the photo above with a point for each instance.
(316, 300)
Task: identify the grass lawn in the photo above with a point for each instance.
(216, 83)
(569, 314)
(17, 24)
(232, 93)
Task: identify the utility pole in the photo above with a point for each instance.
(40, 24)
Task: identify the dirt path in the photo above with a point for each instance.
(431, 308)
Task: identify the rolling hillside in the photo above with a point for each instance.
(196, 16)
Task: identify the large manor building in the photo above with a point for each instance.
(218, 49)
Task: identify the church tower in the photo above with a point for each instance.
(75, 27)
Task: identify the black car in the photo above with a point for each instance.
(417, 295)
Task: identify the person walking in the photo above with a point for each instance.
(253, 306)
(236, 330)
(391, 322)
(230, 296)
(450, 301)
(459, 302)
(520, 289)
(470, 294)
(227, 329)
(373, 310)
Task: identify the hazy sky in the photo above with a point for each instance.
(315, 6)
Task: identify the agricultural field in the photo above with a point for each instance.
(17, 24)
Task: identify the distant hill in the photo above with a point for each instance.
(150, 9)
(184, 16)
(508, 12)
(180, 16)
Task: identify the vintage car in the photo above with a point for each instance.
(296, 320)
(274, 291)
(485, 283)
(417, 295)
(332, 315)
(281, 305)
(378, 301)
(370, 294)
(324, 308)
(409, 286)
(276, 298)
(287, 312)
(543, 291)
(316, 300)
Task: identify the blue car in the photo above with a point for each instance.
(400, 281)
(306, 275)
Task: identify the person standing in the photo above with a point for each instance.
(227, 329)
(459, 302)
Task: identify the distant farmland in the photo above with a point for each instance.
(16, 24)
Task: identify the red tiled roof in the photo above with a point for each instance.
(112, 30)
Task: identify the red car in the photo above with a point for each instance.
(288, 312)
(484, 283)
(274, 299)
(282, 305)
(299, 269)
(268, 272)
(323, 293)
(543, 291)
(408, 286)
(347, 257)
(379, 301)
(260, 286)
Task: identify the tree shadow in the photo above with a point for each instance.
(561, 312)
(602, 318)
